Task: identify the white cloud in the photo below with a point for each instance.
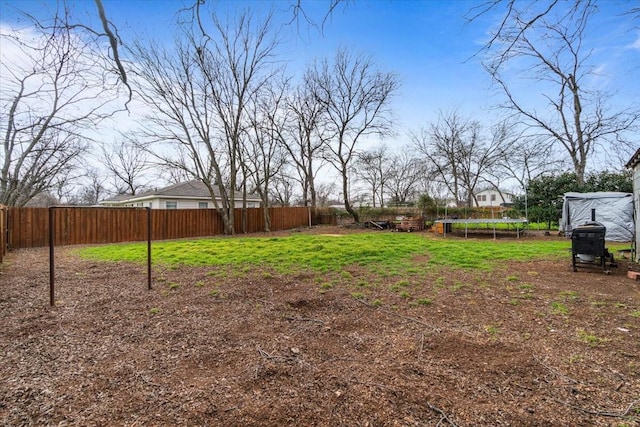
(82, 87)
(636, 43)
(12, 56)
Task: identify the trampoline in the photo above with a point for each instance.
(446, 224)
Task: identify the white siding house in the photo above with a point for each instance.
(184, 195)
(493, 198)
(634, 165)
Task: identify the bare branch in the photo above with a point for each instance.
(113, 41)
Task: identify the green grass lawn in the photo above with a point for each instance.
(322, 253)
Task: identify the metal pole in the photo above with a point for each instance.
(51, 258)
(444, 223)
(494, 222)
(526, 202)
(149, 248)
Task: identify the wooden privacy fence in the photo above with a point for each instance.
(29, 227)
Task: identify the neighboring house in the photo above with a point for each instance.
(634, 165)
(494, 198)
(184, 195)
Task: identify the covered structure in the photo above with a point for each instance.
(614, 210)
(634, 165)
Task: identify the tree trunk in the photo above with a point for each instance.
(347, 204)
(267, 219)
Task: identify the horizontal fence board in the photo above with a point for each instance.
(29, 227)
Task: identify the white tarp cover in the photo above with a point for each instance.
(614, 210)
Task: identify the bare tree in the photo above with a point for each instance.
(180, 129)
(264, 154)
(549, 44)
(435, 189)
(199, 96)
(93, 190)
(404, 176)
(512, 158)
(282, 190)
(43, 200)
(305, 139)
(460, 154)
(126, 163)
(372, 166)
(355, 97)
(325, 191)
(171, 174)
(439, 146)
(528, 158)
(243, 55)
(54, 88)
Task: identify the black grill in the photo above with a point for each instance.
(588, 244)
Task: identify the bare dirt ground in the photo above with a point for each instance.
(529, 344)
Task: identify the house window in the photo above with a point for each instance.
(483, 198)
(203, 205)
(150, 205)
(493, 197)
(171, 204)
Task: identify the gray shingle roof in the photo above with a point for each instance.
(191, 189)
(118, 198)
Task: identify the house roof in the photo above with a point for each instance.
(195, 189)
(118, 198)
(493, 190)
(183, 189)
(635, 160)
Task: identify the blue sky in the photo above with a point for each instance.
(428, 44)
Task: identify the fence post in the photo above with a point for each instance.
(51, 256)
(3, 231)
(149, 248)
